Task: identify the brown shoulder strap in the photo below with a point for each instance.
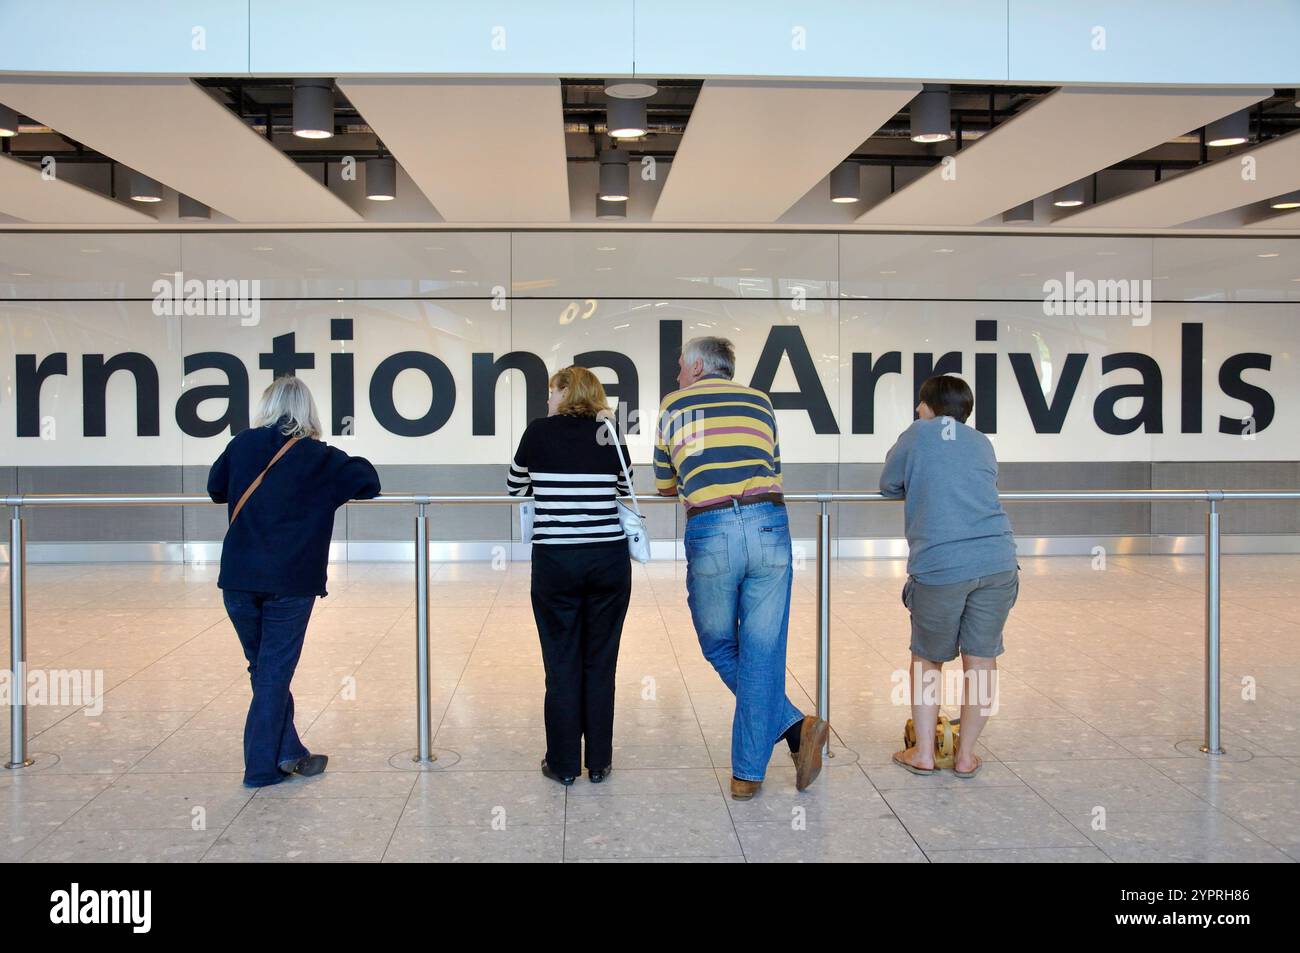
(258, 482)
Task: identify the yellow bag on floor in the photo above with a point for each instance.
(945, 740)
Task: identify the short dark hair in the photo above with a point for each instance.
(948, 396)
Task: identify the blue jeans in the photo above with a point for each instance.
(738, 580)
(271, 629)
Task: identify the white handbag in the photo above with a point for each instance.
(629, 517)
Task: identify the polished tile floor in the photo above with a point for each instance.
(1092, 756)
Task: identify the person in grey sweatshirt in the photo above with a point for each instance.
(962, 574)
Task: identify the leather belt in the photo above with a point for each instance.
(776, 498)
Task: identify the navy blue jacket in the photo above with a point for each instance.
(280, 543)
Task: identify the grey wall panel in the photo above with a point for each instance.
(1077, 519)
(807, 478)
(202, 523)
(8, 484)
(1262, 516)
(451, 522)
(865, 519)
(102, 523)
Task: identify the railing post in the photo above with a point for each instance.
(824, 615)
(18, 757)
(1212, 741)
(423, 707)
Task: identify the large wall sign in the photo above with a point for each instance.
(455, 381)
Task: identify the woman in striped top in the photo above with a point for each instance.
(582, 574)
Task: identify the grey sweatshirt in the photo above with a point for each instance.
(956, 528)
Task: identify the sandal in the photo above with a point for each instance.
(908, 766)
(979, 763)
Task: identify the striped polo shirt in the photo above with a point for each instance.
(717, 440)
(571, 469)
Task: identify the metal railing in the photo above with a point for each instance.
(19, 756)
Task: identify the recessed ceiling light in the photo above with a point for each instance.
(192, 210)
(458, 271)
(943, 251)
(1070, 196)
(144, 189)
(625, 118)
(1267, 254)
(1231, 130)
(28, 274)
(613, 175)
(930, 117)
(846, 183)
(263, 248)
(889, 272)
(381, 179)
(313, 109)
(1288, 201)
(90, 251)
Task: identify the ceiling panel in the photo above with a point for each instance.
(1065, 136)
(753, 149)
(174, 131)
(481, 151)
(1228, 183)
(27, 196)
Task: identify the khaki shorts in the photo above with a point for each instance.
(962, 617)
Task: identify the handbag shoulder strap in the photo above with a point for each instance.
(618, 448)
(258, 482)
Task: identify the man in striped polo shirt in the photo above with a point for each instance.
(717, 448)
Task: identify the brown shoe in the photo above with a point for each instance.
(744, 790)
(808, 759)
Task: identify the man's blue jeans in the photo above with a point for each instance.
(271, 629)
(738, 580)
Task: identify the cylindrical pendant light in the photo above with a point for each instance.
(625, 118)
(613, 175)
(143, 188)
(8, 122)
(606, 208)
(930, 115)
(1288, 201)
(1070, 196)
(192, 210)
(313, 108)
(1023, 212)
(1231, 130)
(381, 179)
(846, 182)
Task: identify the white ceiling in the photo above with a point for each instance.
(173, 131)
(1243, 178)
(752, 150)
(480, 150)
(27, 195)
(1065, 136)
(754, 153)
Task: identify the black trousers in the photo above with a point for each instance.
(580, 595)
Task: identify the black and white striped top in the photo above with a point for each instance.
(571, 468)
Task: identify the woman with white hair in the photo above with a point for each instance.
(281, 486)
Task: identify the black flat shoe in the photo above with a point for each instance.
(566, 781)
(308, 767)
(312, 765)
(595, 777)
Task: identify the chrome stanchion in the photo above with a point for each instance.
(1212, 741)
(423, 708)
(18, 642)
(824, 614)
